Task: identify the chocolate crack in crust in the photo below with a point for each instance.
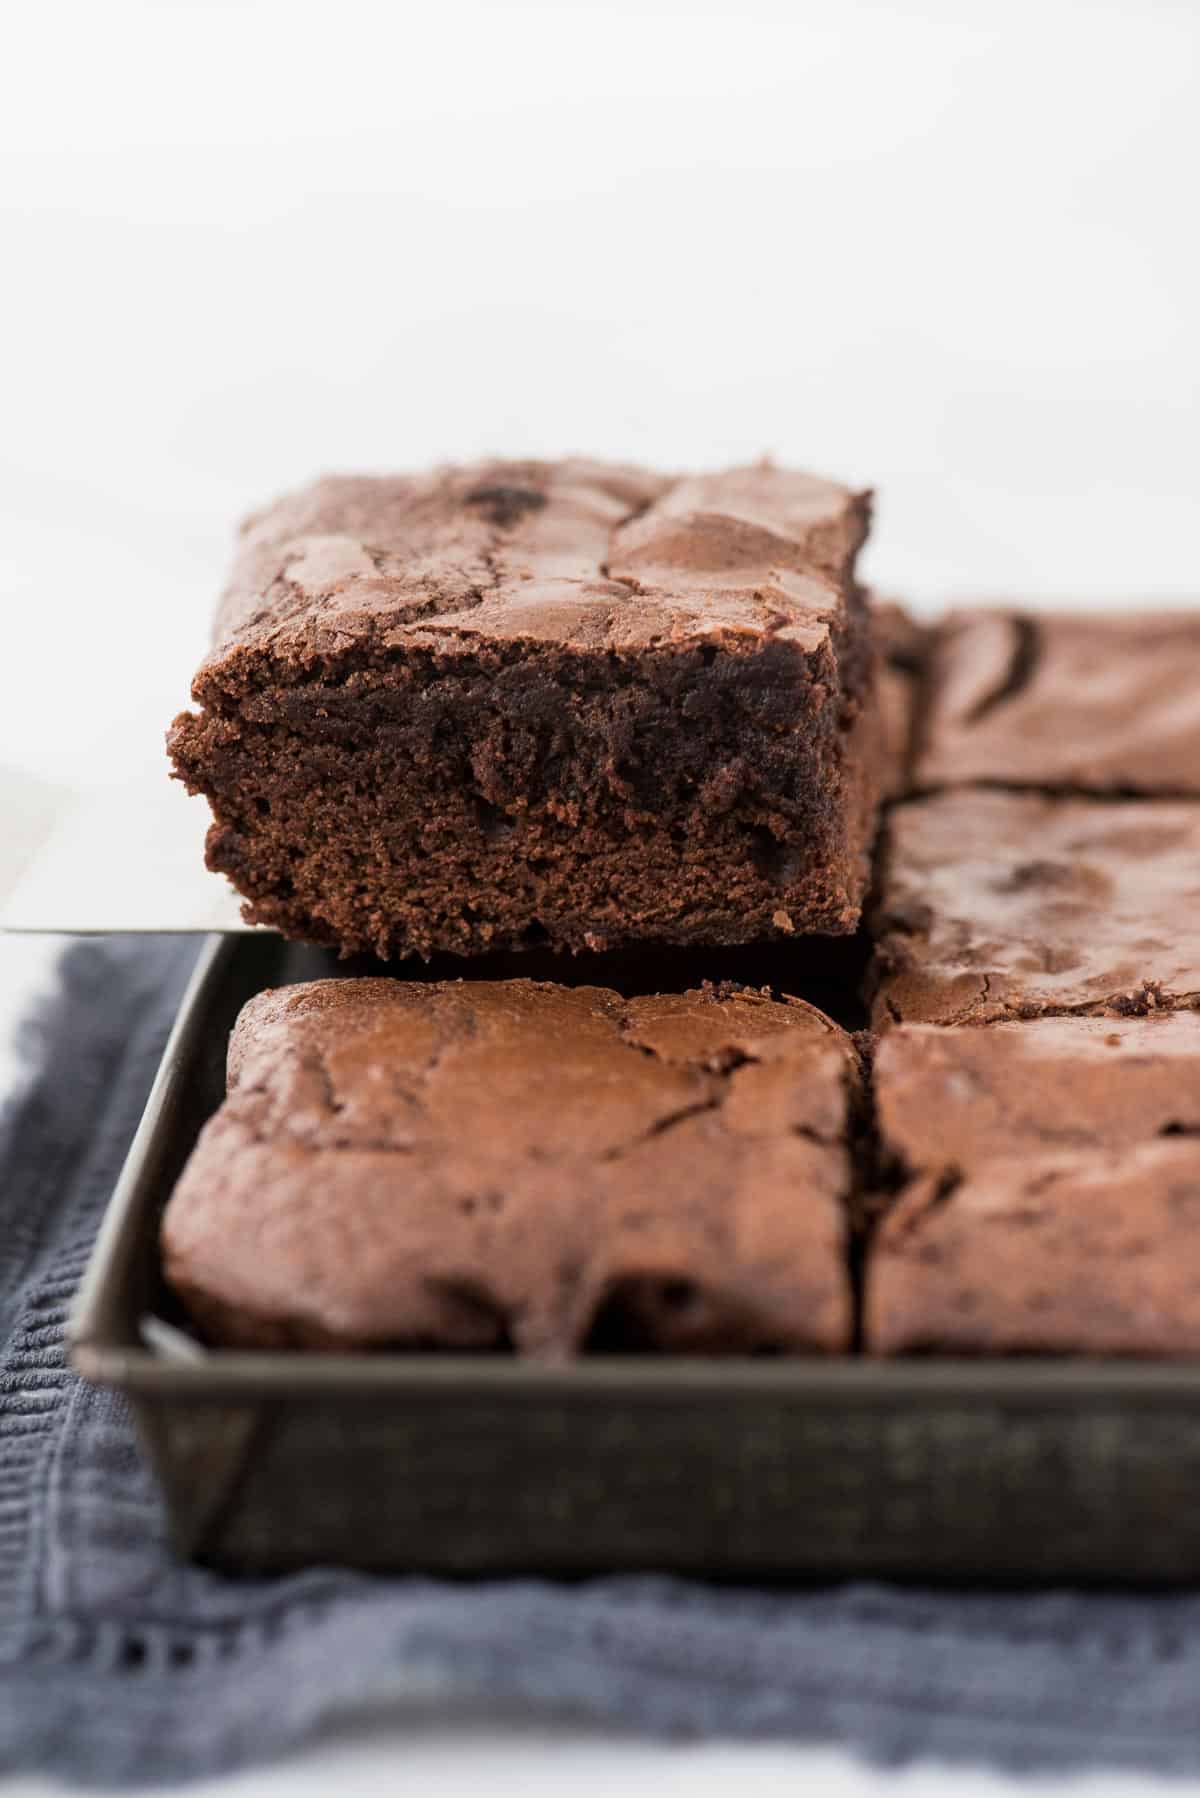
(1049, 1188)
(514, 1164)
(542, 703)
(1104, 703)
(998, 905)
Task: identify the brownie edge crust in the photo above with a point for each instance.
(562, 704)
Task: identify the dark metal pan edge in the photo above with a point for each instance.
(123, 1217)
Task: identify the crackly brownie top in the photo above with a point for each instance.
(1086, 1253)
(1002, 905)
(467, 1164)
(1094, 701)
(576, 553)
(953, 1097)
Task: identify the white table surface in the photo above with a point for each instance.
(944, 249)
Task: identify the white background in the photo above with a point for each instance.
(949, 250)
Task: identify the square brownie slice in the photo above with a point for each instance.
(1001, 905)
(951, 1097)
(1049, 1186)
(524, 1166)
(1101, 702)
(542, 703)
(1094, 1254)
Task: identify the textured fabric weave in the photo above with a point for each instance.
(118, 1664)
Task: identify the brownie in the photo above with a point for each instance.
(904, 647)
(951, 1097)
(999, 905)
(1093, 1253)
(519, 1165)
(1048, 1174)
(1092, 701)
(559, 704)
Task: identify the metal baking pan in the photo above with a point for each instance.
(1008, 1472)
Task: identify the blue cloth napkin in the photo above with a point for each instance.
(118, 1664)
